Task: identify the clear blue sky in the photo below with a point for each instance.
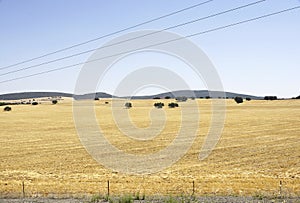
(260, 58)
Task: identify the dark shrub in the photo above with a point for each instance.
(106, 102)
(248, 99)
(156, 98)
(159, 105)
(34, 103)
(167, 97)
(173, 105)
(207, 97)
(298, 97)
(270, 98)
(7, 108)
(96, 99)
(181, 99)
(238, 100)
(128, 105)
(54, 101)
(3, 103)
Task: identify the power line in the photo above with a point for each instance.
(188, 36)
(107, 35)
(141, 36)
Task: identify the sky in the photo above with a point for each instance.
(259, 58)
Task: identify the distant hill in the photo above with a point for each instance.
(197, 94)
(93, 95)
(29, 95)
(180, 93)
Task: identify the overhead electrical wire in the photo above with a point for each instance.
(108, 35)
(184, 37)
(134, 38)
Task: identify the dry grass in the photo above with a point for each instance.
(259, 147)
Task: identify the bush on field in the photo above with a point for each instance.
(248, 99)
(270, 98)
(7, 108)
(173, 105)
(128, 105)
(54, 101)
(181, 99)
(159, 105)
(3, 103)
(238, 100)
(34, 103)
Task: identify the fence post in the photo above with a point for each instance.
(23, 189)
(108, 188)
(193, 188)
(280, 187)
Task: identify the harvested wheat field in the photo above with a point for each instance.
(260, 146)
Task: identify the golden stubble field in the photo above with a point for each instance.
(260, 146)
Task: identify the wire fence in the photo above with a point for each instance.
(162, 187)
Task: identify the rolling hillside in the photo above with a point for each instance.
(186, 93)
